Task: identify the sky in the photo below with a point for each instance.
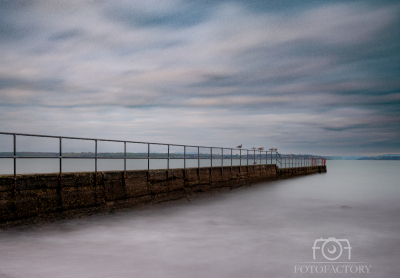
(316, 77)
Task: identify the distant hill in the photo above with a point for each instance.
(194, 154)
(359, 157)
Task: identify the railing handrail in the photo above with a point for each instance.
(255, 153)
(122, 141)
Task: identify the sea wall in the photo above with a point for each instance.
(47, 196)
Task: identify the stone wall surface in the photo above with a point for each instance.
(69, 194)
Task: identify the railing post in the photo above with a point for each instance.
(254, 163)
(95, 156)
(15, 161)
(184, 157)
(271, 156)
(247, 156)
(231, 160)
(198, 159)
(168, 159)
(125, 157)
(276, 159)
(211, 157)
(60, 155)
(148, 156)
(240, 160)
(222, 160)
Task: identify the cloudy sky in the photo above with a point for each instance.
(320, 77)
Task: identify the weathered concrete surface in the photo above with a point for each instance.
(47, 196)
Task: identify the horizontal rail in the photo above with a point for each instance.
(251, 156)
(104, 157)
(118, 141)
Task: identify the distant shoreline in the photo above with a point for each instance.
(357, 157)
(191, 155)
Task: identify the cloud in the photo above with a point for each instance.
(270, 71)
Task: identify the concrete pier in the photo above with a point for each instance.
(47, 197)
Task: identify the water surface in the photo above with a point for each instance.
(258, 231)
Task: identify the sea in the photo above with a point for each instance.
(52, 165)
(343, 223)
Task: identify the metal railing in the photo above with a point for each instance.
(253, 156)
(294, 161)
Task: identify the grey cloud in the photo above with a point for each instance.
(10, 32)
(276, 73)
(10, 29)
(184, 16)
(68, 34)
(34, 85)
(346, 128)
(8, 82)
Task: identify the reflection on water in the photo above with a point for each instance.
(258, 231)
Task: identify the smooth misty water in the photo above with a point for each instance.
(259, 231)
